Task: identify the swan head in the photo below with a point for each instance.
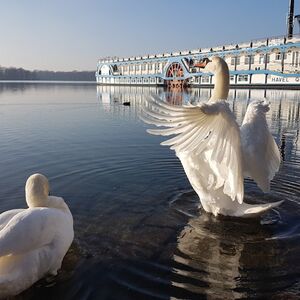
(214, 64)
(219, 68)
(203, 63)
(37, 190)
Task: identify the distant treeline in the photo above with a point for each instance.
(21, 74)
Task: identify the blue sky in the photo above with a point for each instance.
(72, 35)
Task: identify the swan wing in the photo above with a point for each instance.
(260, 151)
(6, 216)
(205, 132)
(31, 229)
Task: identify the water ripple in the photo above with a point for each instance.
(139, 230)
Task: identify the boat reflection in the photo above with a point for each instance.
(283, 115)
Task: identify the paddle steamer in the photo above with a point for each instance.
(270, 62)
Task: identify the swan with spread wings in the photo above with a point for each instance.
(215, 152)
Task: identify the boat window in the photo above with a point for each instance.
(235, 60)
(249, 59)
(261, 58)
(295, 59)
(205, 79)
(242, 78)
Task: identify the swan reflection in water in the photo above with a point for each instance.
(209, 258)
(230, 258)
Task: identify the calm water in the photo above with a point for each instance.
(138, 231)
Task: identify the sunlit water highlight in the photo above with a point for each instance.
(139, 233)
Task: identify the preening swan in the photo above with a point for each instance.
(215, 152)
(33, 241)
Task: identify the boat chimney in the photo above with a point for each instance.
(290, 20)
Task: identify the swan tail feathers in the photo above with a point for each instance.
(256, 210)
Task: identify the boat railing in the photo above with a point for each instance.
(269, 41)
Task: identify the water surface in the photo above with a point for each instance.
(139, 233)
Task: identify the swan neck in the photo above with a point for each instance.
(37, 190)
(221, 88)
(34, 200)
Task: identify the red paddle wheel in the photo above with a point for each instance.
(175, 70)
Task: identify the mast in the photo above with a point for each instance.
(290, 20)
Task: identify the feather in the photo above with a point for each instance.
(12, 237)
(261, 154)
(208, 130)
(215, 153)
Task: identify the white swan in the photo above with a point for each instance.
(33, 241)
(215, 153)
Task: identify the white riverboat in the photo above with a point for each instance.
(270, 62)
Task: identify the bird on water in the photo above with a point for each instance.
(33, 241)
(215, 152)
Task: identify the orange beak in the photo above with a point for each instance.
(203, 63)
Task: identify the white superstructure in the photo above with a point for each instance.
(265, 62)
